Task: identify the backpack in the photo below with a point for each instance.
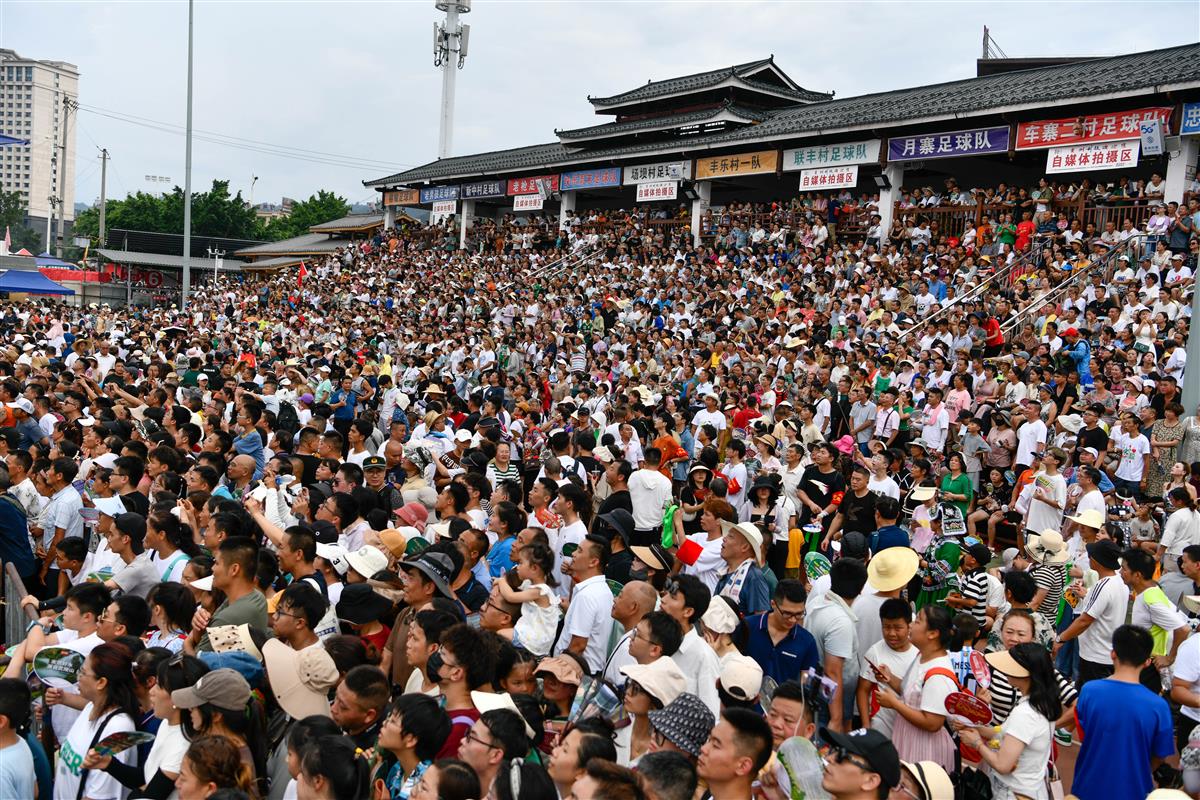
(287, 419)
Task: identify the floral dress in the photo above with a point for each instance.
(1163, 458)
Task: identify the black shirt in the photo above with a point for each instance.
(1094, 438)
(472, 594)
(820, 488)
(858, 512)
(618, 566)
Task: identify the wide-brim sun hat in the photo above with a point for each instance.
(892, 568)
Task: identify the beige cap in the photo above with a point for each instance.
(741, 677)
(662, 679)
(720, 618)
(300, 679)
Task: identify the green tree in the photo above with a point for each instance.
(12, 210)
(214, 213)
(321, 207)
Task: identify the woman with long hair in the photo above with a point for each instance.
(172, 606)
(156, 777)
(919, 696)
(332, 768)
(172, 543)
(217, 706)
(106, 682)
(212, 763)
(1182, 528)
(1018, 766)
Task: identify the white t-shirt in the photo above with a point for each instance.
(62, 717)
(589, 615)
(1029, 436)
(706, 417)
(899, 663)
(1187, 669)
(935, 690)
(1042, 515)
(886, 487)
(100, 785)
(1131, 449)
(1030, 727)
(166, 753)
(1106, 603)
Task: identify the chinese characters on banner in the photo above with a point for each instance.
(434, 194)
(830, 177)
(1190, 125)
(401, 197)
(445, 208)
(474, 191)
(1101, 155)
(1094, 128)
(529, 185)
(590, 178)
(978, 141)
(826, 155)
(740, 164)
(664, 171)
(660, 190)
(527, 202)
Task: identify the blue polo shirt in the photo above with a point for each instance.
(889, 536)
(794, 654)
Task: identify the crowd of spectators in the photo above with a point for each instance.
(601, 511)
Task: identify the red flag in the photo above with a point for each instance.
(301, 275)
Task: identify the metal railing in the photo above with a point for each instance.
(16, 618)
(1004, 273)
(1079, 277)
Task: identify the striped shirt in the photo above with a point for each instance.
(1052, 578)
(1005, 696)
(974, 586)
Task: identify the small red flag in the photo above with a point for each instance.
(301, 275)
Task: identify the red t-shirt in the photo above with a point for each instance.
(461, 720)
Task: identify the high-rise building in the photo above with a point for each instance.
(31, 107)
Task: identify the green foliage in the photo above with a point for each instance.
(214, 213)
(321, 207)
(12, 210)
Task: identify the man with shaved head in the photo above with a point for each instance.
(636, 600)
(237, 477)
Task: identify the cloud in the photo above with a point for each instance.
(356, 79)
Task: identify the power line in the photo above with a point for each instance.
(349, 162)
(248, 141)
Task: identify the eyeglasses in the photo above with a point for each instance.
(280, 613)
(489, 745)
(633, 688)
(645, 639)
(793, 616)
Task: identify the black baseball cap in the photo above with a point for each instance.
(1106, 553)
(873, 747)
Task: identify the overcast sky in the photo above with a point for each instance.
(356, 79)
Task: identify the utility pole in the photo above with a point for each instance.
(187, 180)
(103, 178)
(62, 180)
(449, 53)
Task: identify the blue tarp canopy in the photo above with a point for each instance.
(47, 260)
(7, 140)
(17, 280)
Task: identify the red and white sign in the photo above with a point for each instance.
(445, 208)
(1095, 128)
(529, 185)
(527, 202)
(829, 177)
(1086, 157)
(658, 190)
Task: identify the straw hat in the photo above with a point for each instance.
(1049, 548)
(923, 493)
(892, 568)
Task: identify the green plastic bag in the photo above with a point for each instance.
(668, 531)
